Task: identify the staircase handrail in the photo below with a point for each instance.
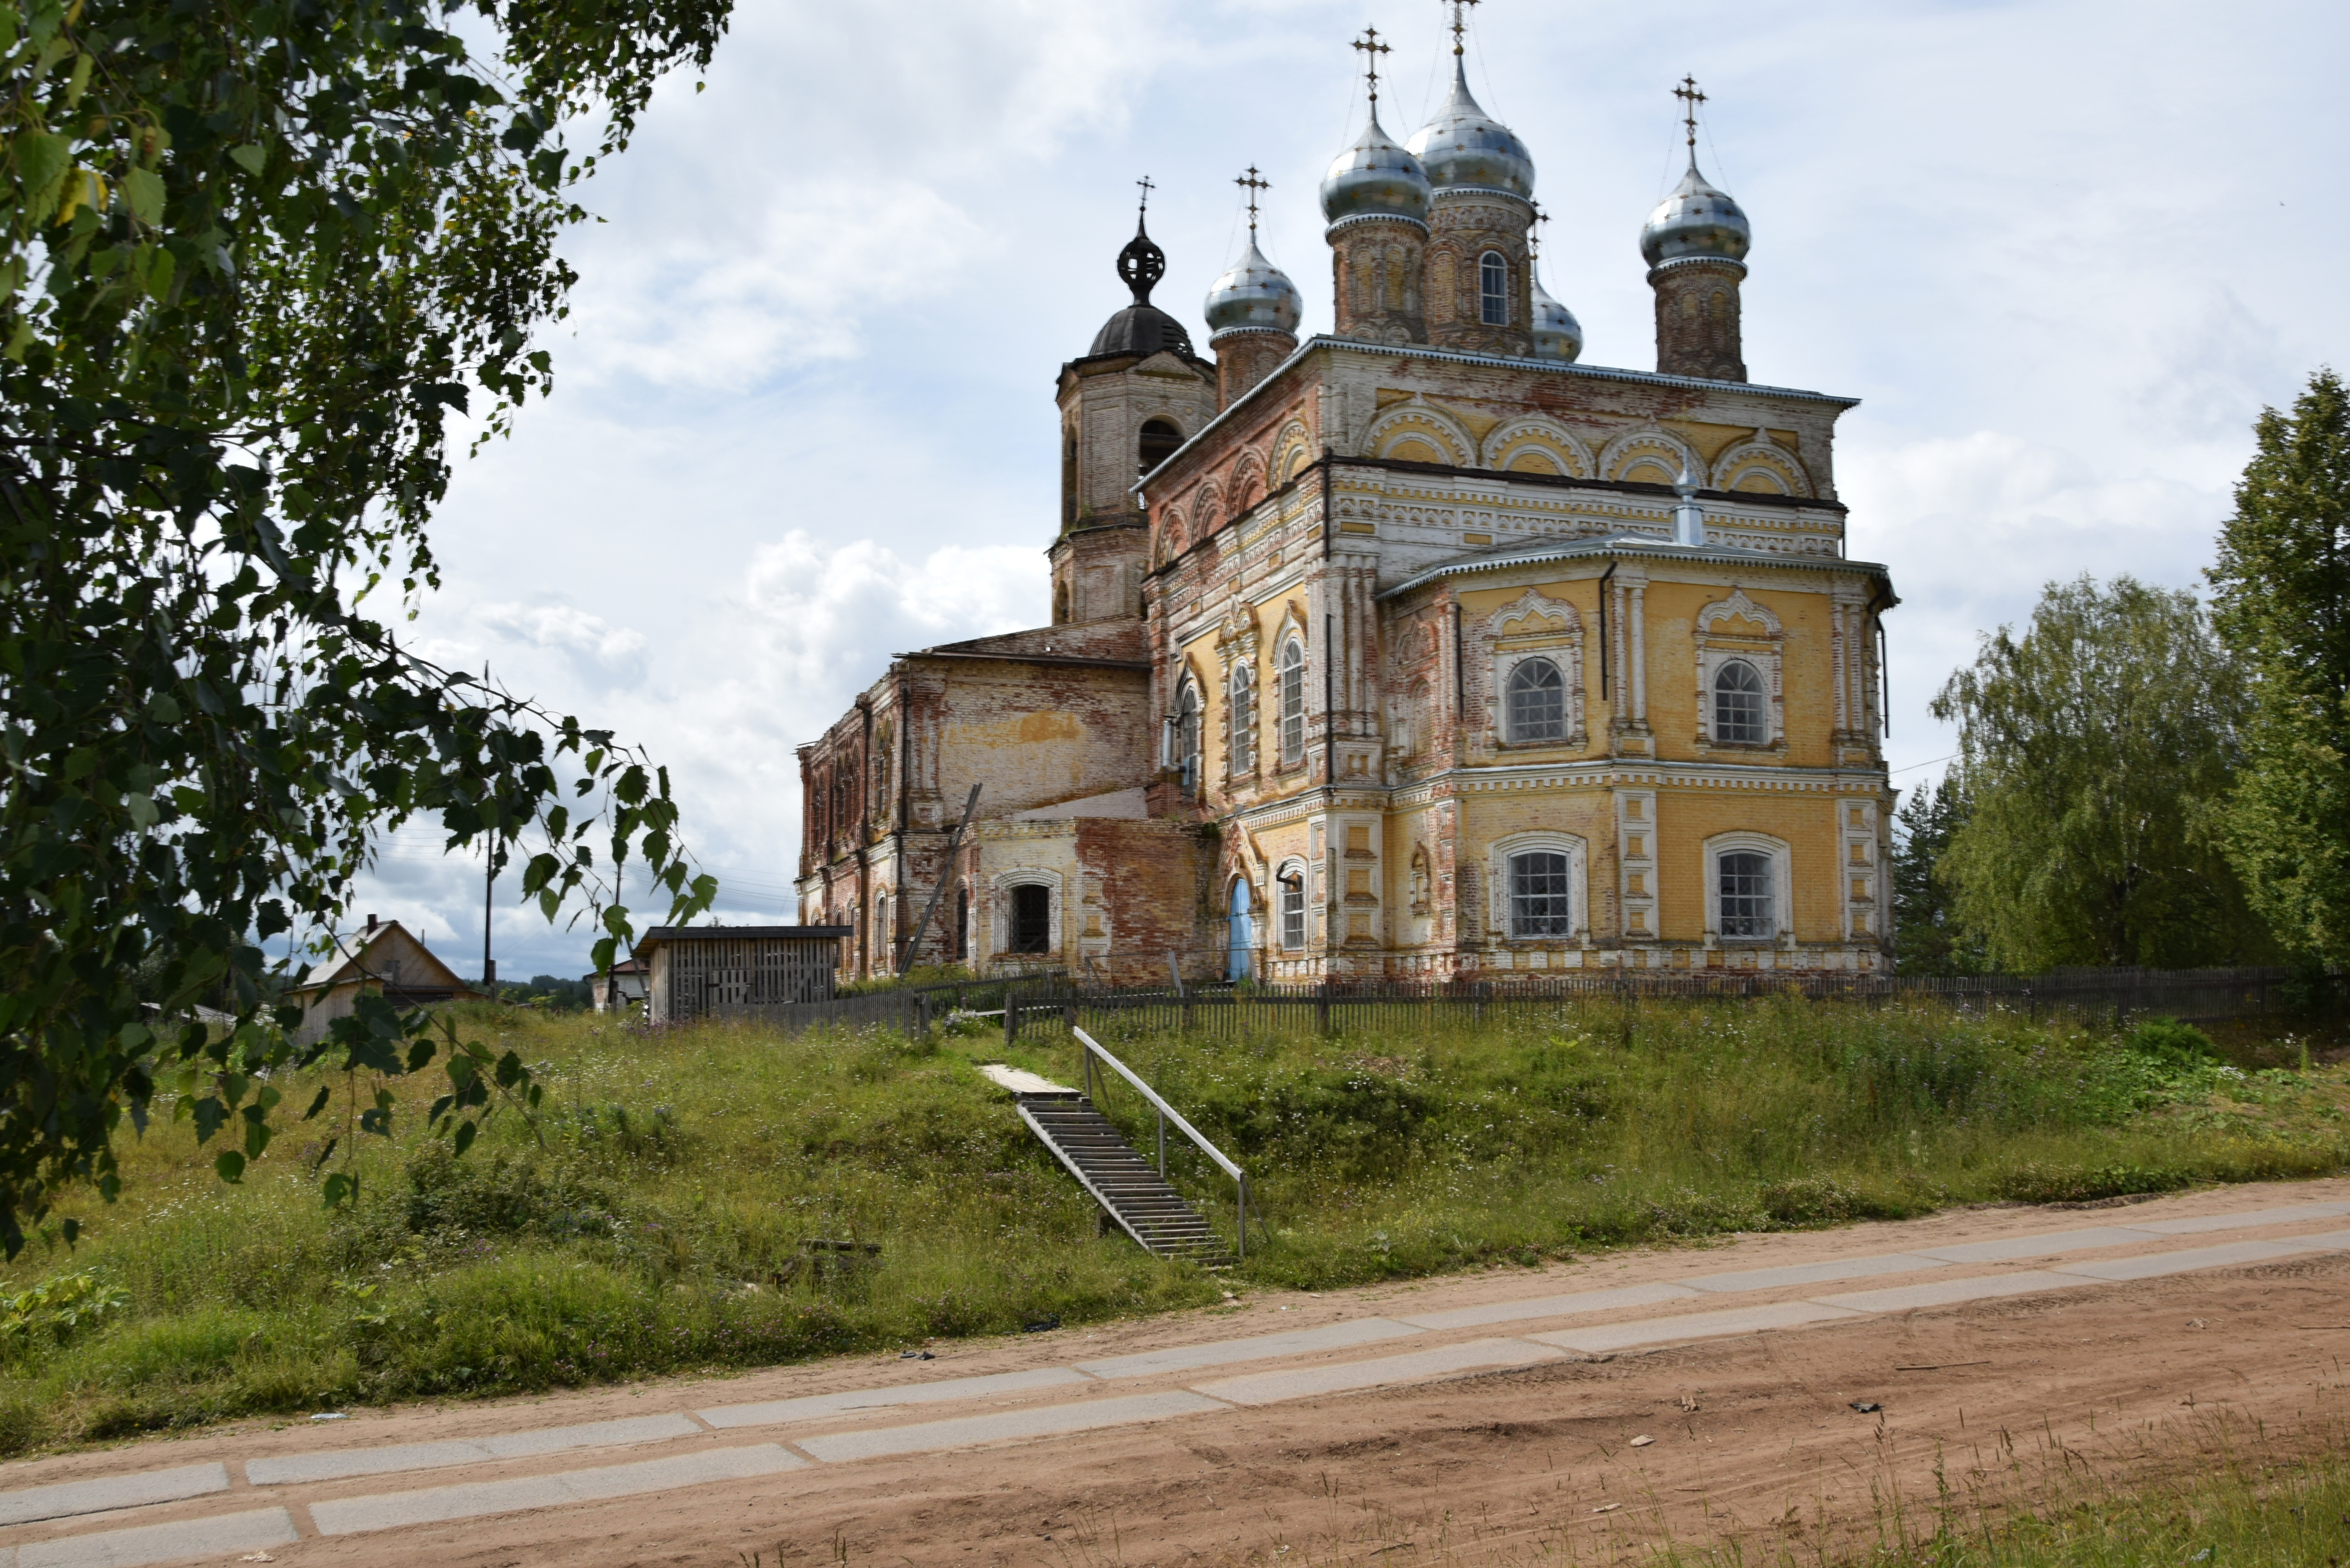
(1168, 1113)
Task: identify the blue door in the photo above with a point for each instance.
(1242, 941)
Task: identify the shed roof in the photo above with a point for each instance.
(659, 934)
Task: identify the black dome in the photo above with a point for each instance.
(1142, 329)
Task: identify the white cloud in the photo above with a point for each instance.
(603, 655)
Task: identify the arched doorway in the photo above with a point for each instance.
(1240, 951)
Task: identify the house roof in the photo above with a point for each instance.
(1640, 544)
(657, 935)
(368, 959)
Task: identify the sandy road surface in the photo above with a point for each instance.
(1752, 1433)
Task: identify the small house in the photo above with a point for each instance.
(694, 970)
(385, 958)
(615, 990)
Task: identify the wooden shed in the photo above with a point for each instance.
(694, 970)
(385, 958)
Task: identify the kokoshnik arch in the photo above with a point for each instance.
(1420, 649)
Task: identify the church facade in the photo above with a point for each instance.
(1420, 650)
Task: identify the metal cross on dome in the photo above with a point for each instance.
(1459, 20)
(1691, 97)
(1372, 49)
(1252, 183)
(1147, 187)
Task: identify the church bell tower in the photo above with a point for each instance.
(1127, 403)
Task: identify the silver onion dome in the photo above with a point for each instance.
(1465, 147)
(1696, 220)
(1375, 176)
(1254, 293)
(1557, 334)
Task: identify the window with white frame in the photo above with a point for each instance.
(1240, 714)
(1031, 919)
(1740, 716)
(1542, 894)
(1291, 668)
(1293, 908)
(1749, 894)
(1184, 748)
(1493, 289)
(1537, 702)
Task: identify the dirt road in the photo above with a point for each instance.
(1493, 1417)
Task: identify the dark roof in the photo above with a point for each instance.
(739, 934)
(1141, 329)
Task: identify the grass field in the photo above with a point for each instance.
(650, 1222)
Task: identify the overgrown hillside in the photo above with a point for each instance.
(654, 1220)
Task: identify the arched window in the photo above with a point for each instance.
(1292, 669)
(1542, 894)
(1537, 702)
(1750, 905)
(1240, 716)
(1068, 477)
(1184, 743)
(1031, 918)
(1738, 717)
(1493, 289)
(1293, 908)
(1159, 440)
(962, 936)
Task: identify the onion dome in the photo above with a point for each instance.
(1375, 178)
(1141, 328)
(1557, 334)
(1464, 147)
(1253, 293)
(1695, 221)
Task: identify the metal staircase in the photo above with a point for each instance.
(1132, 1192)
(1129, 1190)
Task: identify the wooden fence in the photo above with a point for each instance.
(1384, 1006)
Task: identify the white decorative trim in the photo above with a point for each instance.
(1552, 629)
(1782, 886)
(999, 903)
(1543, 434)
(1578, 882)
(1426, 420)
(1765, 654)
(1627, 448)
(1764, 453)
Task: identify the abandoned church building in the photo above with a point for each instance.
(1417, 650)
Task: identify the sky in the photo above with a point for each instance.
(2065, 252)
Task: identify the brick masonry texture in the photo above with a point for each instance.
(1279, 675)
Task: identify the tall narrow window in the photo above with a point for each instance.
(1738, 717)
(1292, 911)
(1537, 702)
(1240, 715)
(1541, 900)
(1159, 440)
(1291, 665)
(1031, 918)
(1493, 289)
(962, 924)
(1187, 735)
(1747, 907)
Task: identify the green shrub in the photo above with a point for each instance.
(2046, 1184)
(2171, 1043)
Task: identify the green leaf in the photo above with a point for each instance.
(231, 1165)
(249, 157)
(142, 193)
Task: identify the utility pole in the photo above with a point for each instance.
(489, 891)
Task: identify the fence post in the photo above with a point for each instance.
(1011, 1013)
(1321, 1007)
(921, 1016)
